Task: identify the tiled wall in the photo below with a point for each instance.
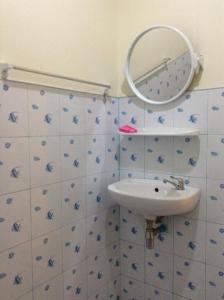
(59, 231)
(188, 261)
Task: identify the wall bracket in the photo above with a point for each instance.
(4, 68)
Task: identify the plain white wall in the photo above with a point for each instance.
(71, 37)
(89, 39)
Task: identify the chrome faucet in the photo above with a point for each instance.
(179, 184)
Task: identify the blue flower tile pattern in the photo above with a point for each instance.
(53, 197)
(194, 242)
(47, 165)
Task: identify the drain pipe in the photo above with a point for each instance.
(153, 227)
(149, 234)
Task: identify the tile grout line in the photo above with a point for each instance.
(30, 199)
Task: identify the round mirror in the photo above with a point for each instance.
(160, 64)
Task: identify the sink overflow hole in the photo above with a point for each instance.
(156, 190)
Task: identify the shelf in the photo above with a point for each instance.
(163, 131)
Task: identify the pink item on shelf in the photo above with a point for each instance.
(128, 129)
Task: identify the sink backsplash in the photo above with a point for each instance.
(188, 261)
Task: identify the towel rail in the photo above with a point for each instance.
(5, 68)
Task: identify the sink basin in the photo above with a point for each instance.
(152, 198)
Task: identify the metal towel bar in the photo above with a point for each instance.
(5, 68)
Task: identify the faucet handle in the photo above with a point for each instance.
(176, 178)
(180, 181)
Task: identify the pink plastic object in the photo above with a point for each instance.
(128, 129)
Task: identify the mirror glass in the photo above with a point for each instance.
(159, 65)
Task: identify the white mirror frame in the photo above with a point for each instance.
(195, 65)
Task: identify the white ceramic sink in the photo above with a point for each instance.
(152, 198)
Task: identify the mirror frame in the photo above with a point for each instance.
(195, 65)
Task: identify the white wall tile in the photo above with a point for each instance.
(189, 238)
(28, 296)
(190, 156)
(73, 156)
(214, 283)
(72, 112)
(44, 111)
(96, 151)
(215, 111)
(51, 290)
(45, 209)
(159, 116)
(159, 269)
(131, 112)
(75, 282)
(114, 289)
(111, 177)
(113, 260)
(97, 271)
(152, 292)
(199, 212)
(215, 201)
(175, 297)
(191, 111)
(101, 294)
(14, 164)
(132, 153)
(73, 200)
(47, 257)
(215, 157)
(112, 225)
(132, 227)
(16, 272)
(215, 245)
(112, 153)
(158, 154)
(96, 232)
(131, 289)
(95, 115)
(44, 160)
(96, 197)
(112, 120)
(124, 174)
(189, 278)
(13, 111)
(15, 225)
(74, 244)
(132, 260)
(157, 176)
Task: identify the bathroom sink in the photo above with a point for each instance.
(152, 198)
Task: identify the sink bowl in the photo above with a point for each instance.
(152, 198)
